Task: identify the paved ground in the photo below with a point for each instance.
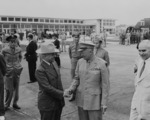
(121, 79)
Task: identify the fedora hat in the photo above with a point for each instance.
(47, 48)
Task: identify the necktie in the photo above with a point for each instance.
(142, 69)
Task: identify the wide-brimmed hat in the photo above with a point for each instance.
(47, 48)
(85, 45)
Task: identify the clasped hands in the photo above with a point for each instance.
(67, 93)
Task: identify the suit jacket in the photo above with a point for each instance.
(31, 54)
(141, 97)
(92, 84)
(50, 96)
(2, 67)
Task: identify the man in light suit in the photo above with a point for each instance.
(140, 107)
(90, 84)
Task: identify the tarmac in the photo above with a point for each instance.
(121, 82)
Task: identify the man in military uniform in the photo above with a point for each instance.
(74, 54)
(91, 84)
(13, 57)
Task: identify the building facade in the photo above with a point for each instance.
(21, 23)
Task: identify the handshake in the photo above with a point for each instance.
(69, 94)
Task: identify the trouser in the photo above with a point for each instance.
(12, 88)
(51, 115)
(104, 42)
(89, 114)
(32, 68)
(63, 46)
(73, 66)
(2, 110)
(134, 115)
(57, 59)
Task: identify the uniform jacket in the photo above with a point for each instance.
(30, 54)
(73, 51)
(91, 83)
(50, 96)
(13, 60)
(102, 53)
(141, 97)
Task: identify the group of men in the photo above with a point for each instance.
(11, 69)
(90, 85)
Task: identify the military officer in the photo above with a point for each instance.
(91, 84)
(13, 57)
(74, 54)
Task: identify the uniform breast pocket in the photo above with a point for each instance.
(94, 72)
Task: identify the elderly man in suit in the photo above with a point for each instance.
(140, 107)
(90, 84)
(51, 94)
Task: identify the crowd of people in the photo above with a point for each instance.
(90, 85)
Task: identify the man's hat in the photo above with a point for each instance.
(11, 38)
(85, 45)
(47, 48)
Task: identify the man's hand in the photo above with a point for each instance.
(66, 93)
(104, 108)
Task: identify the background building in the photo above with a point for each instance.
(39, 24)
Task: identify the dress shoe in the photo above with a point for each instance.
(15, 106)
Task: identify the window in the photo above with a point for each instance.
(61, 26)
(46, 20)
(81, 21)
(24, 19)
(69, 21)
(51, 26)
(5, 25)
(4, 18)
(17, 19)
(56, 26)
(10, 19)
(30, 19)
(65, 21)
(34, 26)
(78, 22)
(56, 21)
(52, 20)
(74, 21)
(61, 21)
(41, 20)
(36, 20)
(40, 26)
(45, 26)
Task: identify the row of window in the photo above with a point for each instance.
(39, 20)
(41, 26)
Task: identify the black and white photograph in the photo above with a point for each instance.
(74, 60)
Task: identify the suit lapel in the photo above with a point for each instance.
(48, 69)
(56, 68)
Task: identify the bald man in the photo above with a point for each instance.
(140, 107)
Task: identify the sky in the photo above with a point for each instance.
(127, 12)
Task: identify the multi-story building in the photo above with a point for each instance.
(102, 24)
(22, 23)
